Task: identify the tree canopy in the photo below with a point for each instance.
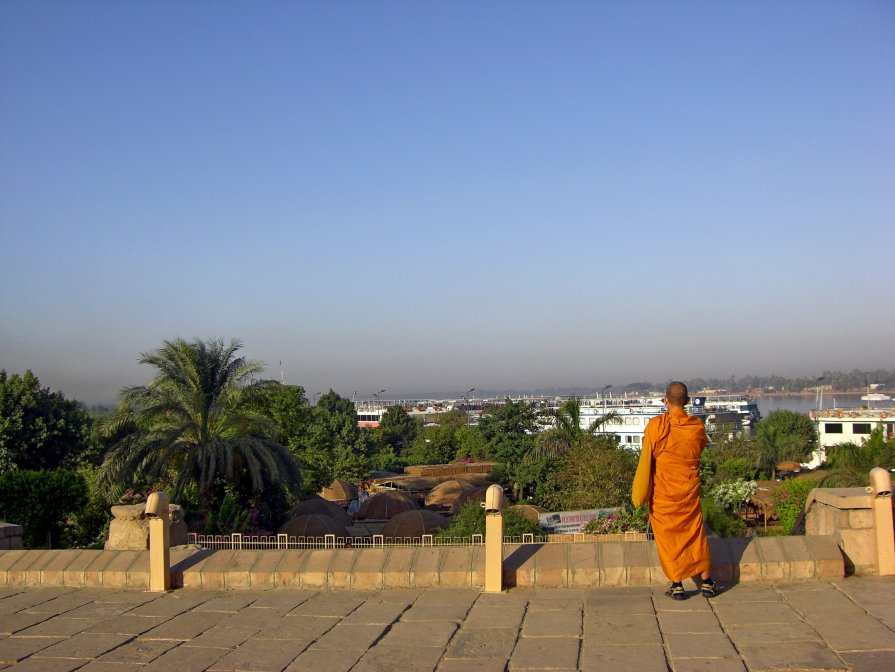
(193, 425)
(39, 429)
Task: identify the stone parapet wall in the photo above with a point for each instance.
(634, 563)
(10, 536)
(845, 515)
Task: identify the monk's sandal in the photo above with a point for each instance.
(676, 592)
(708, 588)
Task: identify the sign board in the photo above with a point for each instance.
(570, 522)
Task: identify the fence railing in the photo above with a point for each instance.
(237, 541)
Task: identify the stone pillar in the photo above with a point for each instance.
(493, 539)
(159, 542)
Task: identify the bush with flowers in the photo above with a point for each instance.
(789, 501)
(732, 496)
(625, 519)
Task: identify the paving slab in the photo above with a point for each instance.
(814, 656)
(127, 624)
(688, 645)
(350, 636)
(84, 645)
(186, 626)
(679, 622)
(623, 658)
(185, 659)
(552, 623)
(419, 634)
(14, 649)
(627, 629)
(50, 665)
(478, 643)
(494, 617)
(224, 637)
(545, 653)
(869, 661)
(261, 656)
(479, 665)
(384, 658)
(137, 652)
(324, 660)
(298, 627)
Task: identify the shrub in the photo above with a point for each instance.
(790, 501)
(470, 520)
(720, 521)
(732, 496)
(625, 520)
(42, 502)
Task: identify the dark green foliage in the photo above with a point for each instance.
(470, 520)
(507, 431)
(195, 424)
(594, 473)
(785, 435)
(789, 501)
(39, 429)
(850, 463)
(41, 502)
(719, 521)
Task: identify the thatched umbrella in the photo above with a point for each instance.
(340, 492)
(385, 504)
(313, 525)
(529, 511)
(446, 492)
(316, 504)
(414, 524)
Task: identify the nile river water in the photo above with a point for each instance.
(804, 404)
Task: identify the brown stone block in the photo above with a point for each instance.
(860, 519)
(397, 569)
(262, 573)
(368, 566)
(73, 574)
(552, 566)
(774, 566)
(289, 569)
(52, 574)
(519, 565)
(455, 566)
(237, 572)
(799, 557)
(859, 547)
(138, 573)
(724, 567)
(340, 569)
(828, 560)
(212, 571)
(315, 571)
(114, 574)
(657, 574)
(477, 571)
(637, 565)
(611, 557)
(93, 574)
(584, 571)
(34, 572)
(424, 570)
(749, 559)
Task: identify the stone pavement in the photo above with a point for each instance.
(843, 624)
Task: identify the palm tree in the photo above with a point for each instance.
(850, 463)
(191, 425)
(566, 431)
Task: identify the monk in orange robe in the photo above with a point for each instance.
(676, 441)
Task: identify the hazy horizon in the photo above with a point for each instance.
(444, 196)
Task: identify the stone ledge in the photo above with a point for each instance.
(534, 565)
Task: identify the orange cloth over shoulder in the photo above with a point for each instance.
(677, 441)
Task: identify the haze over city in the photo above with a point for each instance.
(438, 196)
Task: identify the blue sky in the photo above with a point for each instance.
(428, 196)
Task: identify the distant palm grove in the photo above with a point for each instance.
(237, 452)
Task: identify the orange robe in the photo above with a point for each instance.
(677, 441)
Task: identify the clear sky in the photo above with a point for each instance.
(424, 196)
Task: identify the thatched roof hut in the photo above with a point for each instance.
(477, 495)
(414, 524)
(340, 492)
(446, 492)
(313, 525)
(529, 511)
(385, 504)
(316, 504)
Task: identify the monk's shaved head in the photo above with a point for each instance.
(676, 394)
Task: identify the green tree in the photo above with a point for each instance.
(567, 431)
(39, 429)
(850, 463)
(785, 435)
(193, 425)
(334, 446)
(41, 502)
(594, 473)
(396, 431)
(508, 430)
